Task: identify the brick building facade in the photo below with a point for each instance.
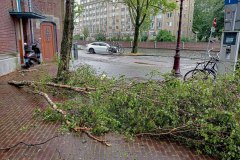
(29, 21)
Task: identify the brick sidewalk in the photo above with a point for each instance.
(17, 124)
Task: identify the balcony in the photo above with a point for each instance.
(25, 9)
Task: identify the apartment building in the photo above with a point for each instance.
(114, 19)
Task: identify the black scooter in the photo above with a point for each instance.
(31, 56)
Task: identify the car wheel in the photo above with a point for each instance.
(91, 50)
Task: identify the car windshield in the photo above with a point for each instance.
(102, 44)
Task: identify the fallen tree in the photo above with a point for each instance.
(200, 114)
(55, 107)
(33, 83)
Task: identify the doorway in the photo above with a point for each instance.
(48, 41)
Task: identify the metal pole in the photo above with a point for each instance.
(31, 24)
(209, 40)
(234, 19)
(176, 65)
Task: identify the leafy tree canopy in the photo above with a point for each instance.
(85, 32)
(204, 13)
(140, 10)
(100, 37)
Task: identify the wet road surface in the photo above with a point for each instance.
(137, 67)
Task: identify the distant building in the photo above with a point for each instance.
(28, 21)
(114, 20)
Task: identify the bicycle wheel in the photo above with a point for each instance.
(199, 74)
(212, 73)
(121, 50)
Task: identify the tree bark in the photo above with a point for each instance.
(137, 27)
(66, 45)
(135, 40)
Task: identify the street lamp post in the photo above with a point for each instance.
(176, 65)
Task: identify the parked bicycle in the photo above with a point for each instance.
(115, 47)
(204, 70)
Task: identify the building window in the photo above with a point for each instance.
(159, 25)
(169, 24)
(169, 15)
(152, 25)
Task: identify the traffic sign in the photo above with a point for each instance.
(227, 2)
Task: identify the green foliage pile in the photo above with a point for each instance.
(201, 114)
(165, 36)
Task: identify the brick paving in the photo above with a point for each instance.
(18, 125)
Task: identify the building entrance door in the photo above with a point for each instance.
(48, 41)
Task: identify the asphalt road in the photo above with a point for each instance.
(137, 67)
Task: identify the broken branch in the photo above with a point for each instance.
(99, 140)
(32, 83)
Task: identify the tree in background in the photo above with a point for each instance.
(185, 39)
(141, 9)
(145, 28)
(204, 13)
(144, 37)
(85, 32)
(165, 36)
(78, 37)
(78, 9)
(100, 37)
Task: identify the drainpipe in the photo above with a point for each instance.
(18, 5)
(21, 42)
(31, 24)
(21, 38)
(15, 30)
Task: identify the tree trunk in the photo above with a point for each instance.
(135, 40)
(66, 45)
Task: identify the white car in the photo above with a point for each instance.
(97, 47)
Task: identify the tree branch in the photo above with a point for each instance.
(32, 83)
(54, 107)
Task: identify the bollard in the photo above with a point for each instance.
(75, 51)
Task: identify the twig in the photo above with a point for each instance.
(83, 129)
(173, 130)
(99, 140)
(21, 83)
(77, 89)
(28, 70)
(29, 145)
(54, 106)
